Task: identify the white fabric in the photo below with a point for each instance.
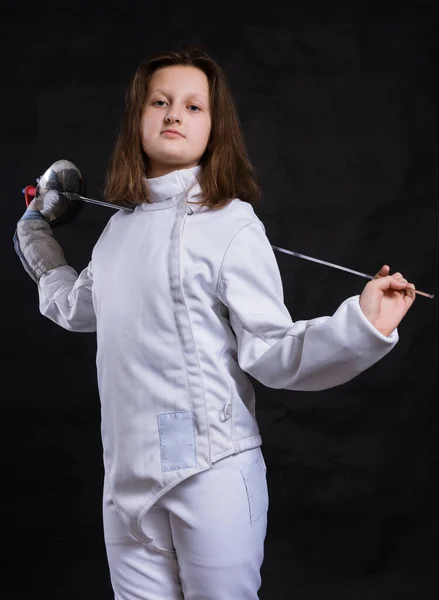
(185, 301)
(204, 538)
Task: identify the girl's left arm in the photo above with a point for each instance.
(312, 354)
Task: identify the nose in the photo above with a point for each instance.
(173, 117)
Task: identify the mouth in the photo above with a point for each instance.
(172, 133)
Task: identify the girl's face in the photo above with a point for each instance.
(175, 124)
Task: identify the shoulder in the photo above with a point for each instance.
(233, 217)
(221, 225)
(210, 232)
(121, 217)
(115, 226)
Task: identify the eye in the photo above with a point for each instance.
(194, 108)
(159, 102)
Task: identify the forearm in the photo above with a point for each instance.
(35, 245)
(65, 298)
(320, 353)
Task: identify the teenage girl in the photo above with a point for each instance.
(186, 298)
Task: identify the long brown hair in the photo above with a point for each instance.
(226, 171)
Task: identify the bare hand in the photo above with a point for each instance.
(386, 299)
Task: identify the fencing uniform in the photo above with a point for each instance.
(186, 300)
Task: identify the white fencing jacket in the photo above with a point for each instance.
(185, 301)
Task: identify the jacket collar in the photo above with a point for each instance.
(174, 184)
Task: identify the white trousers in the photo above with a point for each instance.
(208, 537)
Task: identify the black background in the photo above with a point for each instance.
(338, 105)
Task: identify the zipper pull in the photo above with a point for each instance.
(190, 211)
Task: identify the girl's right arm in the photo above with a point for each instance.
(65, 297)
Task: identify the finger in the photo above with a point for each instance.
(391, 282)
(409, 295)
(383, 272)
(399, 277)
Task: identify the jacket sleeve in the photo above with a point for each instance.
(306, 355)
(66, 298)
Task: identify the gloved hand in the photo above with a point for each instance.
(56, 207)
(34, 243)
